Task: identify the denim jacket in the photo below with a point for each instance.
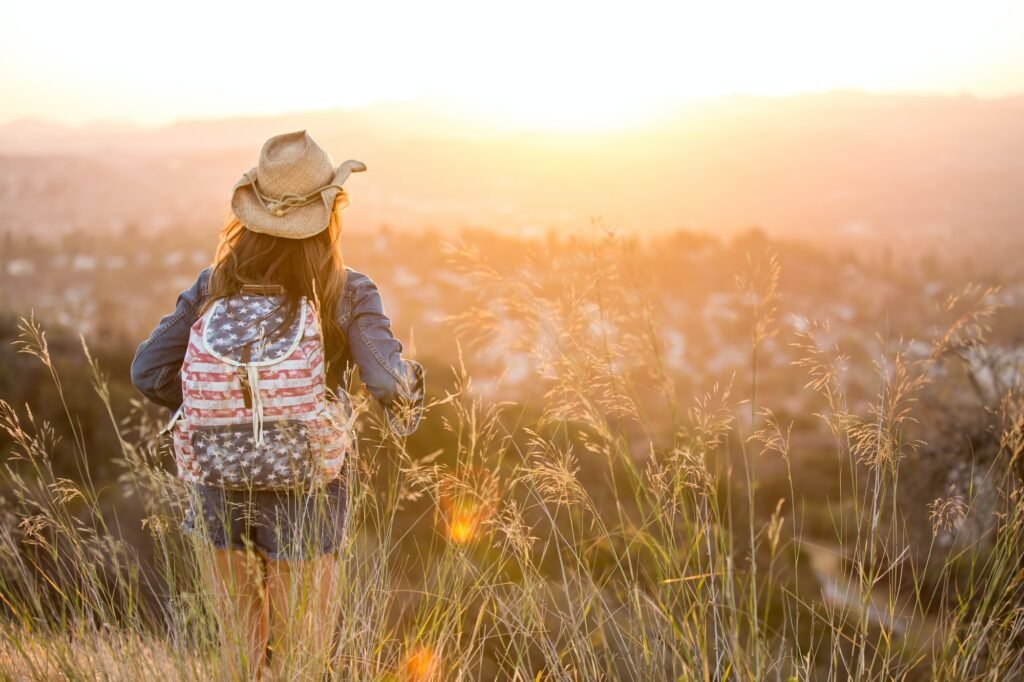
(156, 369)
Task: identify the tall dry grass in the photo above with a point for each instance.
(619, 531)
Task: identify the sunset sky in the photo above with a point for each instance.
(528, 63)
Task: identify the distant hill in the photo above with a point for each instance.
(837, 165)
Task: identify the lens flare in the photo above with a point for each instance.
(466, 500)
(422, 664)
(462, 527)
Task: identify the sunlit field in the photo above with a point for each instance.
(609, 521)
(720, 307)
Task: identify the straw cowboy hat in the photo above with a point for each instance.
(291, 191)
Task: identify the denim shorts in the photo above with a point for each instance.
(279, 524)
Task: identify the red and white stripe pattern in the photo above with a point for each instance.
(291, 388)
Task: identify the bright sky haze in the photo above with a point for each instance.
(557, 65)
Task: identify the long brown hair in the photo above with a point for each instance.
(312, 267)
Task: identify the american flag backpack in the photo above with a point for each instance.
(256, 412)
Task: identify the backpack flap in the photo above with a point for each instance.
(250, 331)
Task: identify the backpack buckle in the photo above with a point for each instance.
(243, 378)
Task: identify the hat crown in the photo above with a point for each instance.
(293, 190)
(292, 163)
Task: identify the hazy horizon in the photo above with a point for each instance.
(845, 166)
(438, 108)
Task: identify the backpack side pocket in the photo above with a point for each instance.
(181, 444)
(336, 436)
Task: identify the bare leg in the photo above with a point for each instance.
(304, 601)
(235, 580)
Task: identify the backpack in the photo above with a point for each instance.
(256, 413)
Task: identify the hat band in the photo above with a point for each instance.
(288, 202)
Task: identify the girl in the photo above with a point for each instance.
(269, 557)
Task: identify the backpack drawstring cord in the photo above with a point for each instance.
(253, 373)
(257, 404)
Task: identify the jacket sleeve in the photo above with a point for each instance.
(156, 369)
(396, 383)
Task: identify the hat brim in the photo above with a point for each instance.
(300, 223)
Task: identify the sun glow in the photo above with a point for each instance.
(422, 664)
(557, 65)
(462, 528)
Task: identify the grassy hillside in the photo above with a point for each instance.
(605, 525)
